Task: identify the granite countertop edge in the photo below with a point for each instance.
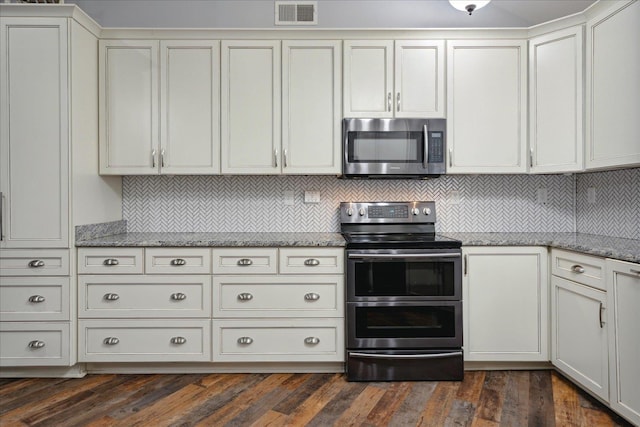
(604, 246)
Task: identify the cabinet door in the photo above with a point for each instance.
(505, 304)
(623, 315)
(368, 80)
(555, 104)
(613, 88)
(311, 114)
(579, 334)
(250, 107)
(486, 106)
(419, 78)
(34, 133)
(128, 82)
(189, 107)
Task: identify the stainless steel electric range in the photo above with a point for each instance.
(404, 294)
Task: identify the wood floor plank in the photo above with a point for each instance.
(357, 413)
(338, 405)
(305, 390)
(492, 396)
(19, 393)
(317, 401)
(541, 410)
(410, 411)
(566, 403)
(461, 414)
(515, 408)
(270, 419)
(439, 404)
(471, 386)
(386, 407)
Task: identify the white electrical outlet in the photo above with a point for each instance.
(454, 197)
(542, 195)
(312, 197)
(288, 197)
(591, 195)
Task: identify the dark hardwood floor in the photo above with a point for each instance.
(491, 398)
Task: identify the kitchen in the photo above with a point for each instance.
(272, 188)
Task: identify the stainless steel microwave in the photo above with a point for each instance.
(393, 148)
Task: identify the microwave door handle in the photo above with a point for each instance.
(425, 162)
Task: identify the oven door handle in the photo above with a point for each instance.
(405, 256)
(407, 356)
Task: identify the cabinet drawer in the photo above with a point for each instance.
(585, 269)
(34, 298)
(144, 296)
(311, 261)
(278, 296)
(34, 344)
(110, 260)
(291, 340)
(144, 340)
(29, 262)
(177, 261)
(245, 261)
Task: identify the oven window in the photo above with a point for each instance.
(404, 278)
(405, 322)
(385, 147)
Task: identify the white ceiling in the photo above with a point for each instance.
(331, 13)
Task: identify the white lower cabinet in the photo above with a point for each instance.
(505, 304)
(623, 300)
(35, 344)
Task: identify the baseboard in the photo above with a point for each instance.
(212, 368)
(76, 371)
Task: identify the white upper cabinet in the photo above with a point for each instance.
(487, 106)
(34, 133)
(190, 107)
(613, 88)
(250, 107)
(159, 107)
(128, 107)
(383, 78)
(555, 103)
(311, 109)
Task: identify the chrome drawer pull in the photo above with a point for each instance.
(178, 340)
(111, 341)
(312, 340)
(178, 296)
(245, 296)
(245, 340)
(311, 262)
(36, 263)
(36, 298)
(111, 297)
(110, 262)
(36, 344)
(243, 262)
(178, 262)
(602, 322)
(311, 297)
(577, 269)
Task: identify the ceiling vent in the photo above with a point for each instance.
(296, 12)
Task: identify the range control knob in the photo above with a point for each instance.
(426, 211)
(350, 211)
(415, 211)
(361, 211)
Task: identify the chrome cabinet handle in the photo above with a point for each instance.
(389, 101)
(245, 340)
(245, 296)
(110, 262)
(178, 340)
(312, 340)
(111, 297)
(275, 157)
(286, 160)
(425, 136)
(577, 269)
(602, 322)
(244, 262)
(1, 217)
(311, 262)
(36, 298)
(450, 157)
(36, 344)
(178, 262)
(398, 102)
(153, 158)
(178, 296)
(162, 157)
(311, 296)
(466, 264)
(36, 263)
(111, 341)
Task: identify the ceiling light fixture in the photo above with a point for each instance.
(469, 5)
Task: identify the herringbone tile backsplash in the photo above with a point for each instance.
(616, 211)
(256, 203)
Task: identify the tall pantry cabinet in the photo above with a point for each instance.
(49, 154)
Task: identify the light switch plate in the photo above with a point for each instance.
(312, 197)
